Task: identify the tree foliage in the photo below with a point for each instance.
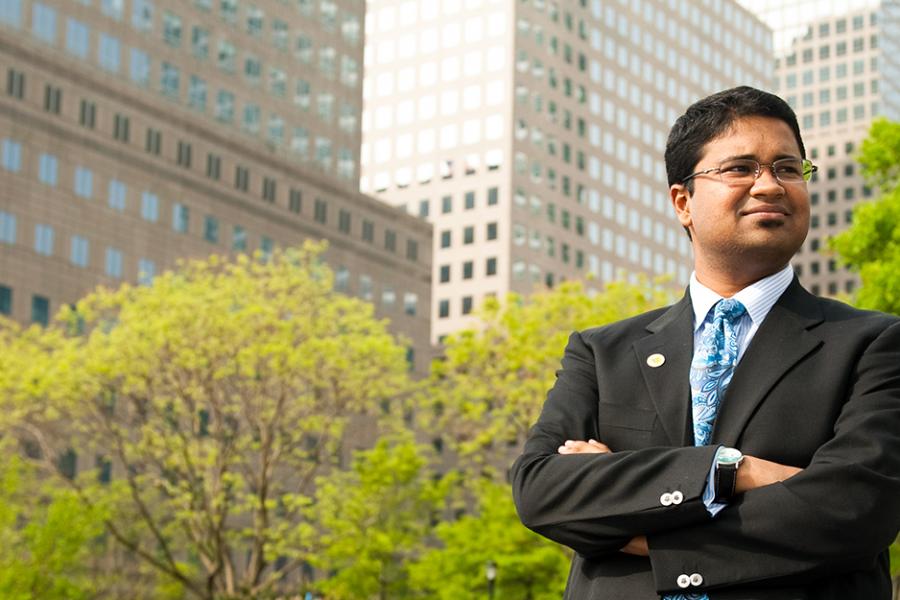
(871, 245)
(488, 389)
(375, 518)
(216, 396)
(529, 567)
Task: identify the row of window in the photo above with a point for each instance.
(825, 51)
(423, 208)
(195, 91)
(40, 306)
(825, 96)
(467, 270)
(365, 289)
(838, 116)
(824, 74)
(83, 185)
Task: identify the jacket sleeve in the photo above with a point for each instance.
(595, 503)
(836, 516)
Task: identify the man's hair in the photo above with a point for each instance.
(709, 117)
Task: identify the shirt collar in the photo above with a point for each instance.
(758, 298)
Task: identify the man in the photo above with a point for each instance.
(744, 443)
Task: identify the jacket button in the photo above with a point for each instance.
(696, 579)
(666, 499)
(683, 581)
(677, 497)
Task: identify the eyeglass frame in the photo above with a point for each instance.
(804, 162)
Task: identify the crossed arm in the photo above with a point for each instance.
(753, 473)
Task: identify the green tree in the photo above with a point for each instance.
(214, 398)
(871, 246)
(529, 567)
(47, 536)
(375, 518)
(488, 389)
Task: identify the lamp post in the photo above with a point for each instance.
(490, 571)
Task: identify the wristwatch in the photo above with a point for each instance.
(727, 462)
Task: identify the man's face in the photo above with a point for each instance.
(758, 227)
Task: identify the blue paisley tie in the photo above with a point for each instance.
(711, 371)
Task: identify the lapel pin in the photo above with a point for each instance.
(656, 360)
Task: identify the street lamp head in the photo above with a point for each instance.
(490, 570)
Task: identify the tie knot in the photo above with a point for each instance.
(729, 309)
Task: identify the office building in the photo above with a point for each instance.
(836, 63)
(531, 133)
(137, 132)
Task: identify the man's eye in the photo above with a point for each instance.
(789, 169)
(737, 168)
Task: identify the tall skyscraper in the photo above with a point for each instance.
(836, 63)
(531, 132)
(137, 132)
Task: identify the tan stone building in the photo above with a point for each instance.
(137, 132)
(531, 132)
(836, 64)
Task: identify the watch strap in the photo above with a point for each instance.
(725, 481)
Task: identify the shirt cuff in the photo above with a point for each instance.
(709, 492)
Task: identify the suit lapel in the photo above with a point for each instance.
(668, 385)
(780, 343)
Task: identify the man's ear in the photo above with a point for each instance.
(681, 202)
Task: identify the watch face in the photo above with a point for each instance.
(729, 456)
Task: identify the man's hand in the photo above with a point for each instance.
(637, 546)
(579, 447)
(757, 472)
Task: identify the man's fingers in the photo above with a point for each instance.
(580, 447)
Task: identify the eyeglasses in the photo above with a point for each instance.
(738, 172)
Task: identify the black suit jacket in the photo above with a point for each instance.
(818, 387)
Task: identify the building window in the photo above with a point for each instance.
(466, 305)
(493, 196)
(121, 128)
(15, 84)
(211, 229)
(446, 204)
(266, 247)
(43, 240)
(180, 218)
(150, 207)
(116, 192)
(344, 221)
(342, 279)
(52, 99)
(445, 274)
(183, 156)
(239, 239)
(146, 271)
(468, 269)
(80, 251)
(491, 266)
(469, 200)
(241, 178)
(43, 22)
(226, 56)
(368, 231)
(225, 106)
(320, 211)
(113, 262)
(390, 240)
(84, 182)
(424, 208)
(5, 300)
(410, 303)
(268, 191)
(295, 201)
(365, 287)
(197, 93)
(139, 70)
(40, 310)
(47, 169)
(469, 235)
(154, 141)
(443, 309)
(492, 231)
(108, 53)
(12, 155)
(87, 116)
(169, 80)
(445, 238)
(142, 15)
(213, 166)
(412, 250)
(172, 29)
(7, 227)
(388, 298)
(200, 42)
